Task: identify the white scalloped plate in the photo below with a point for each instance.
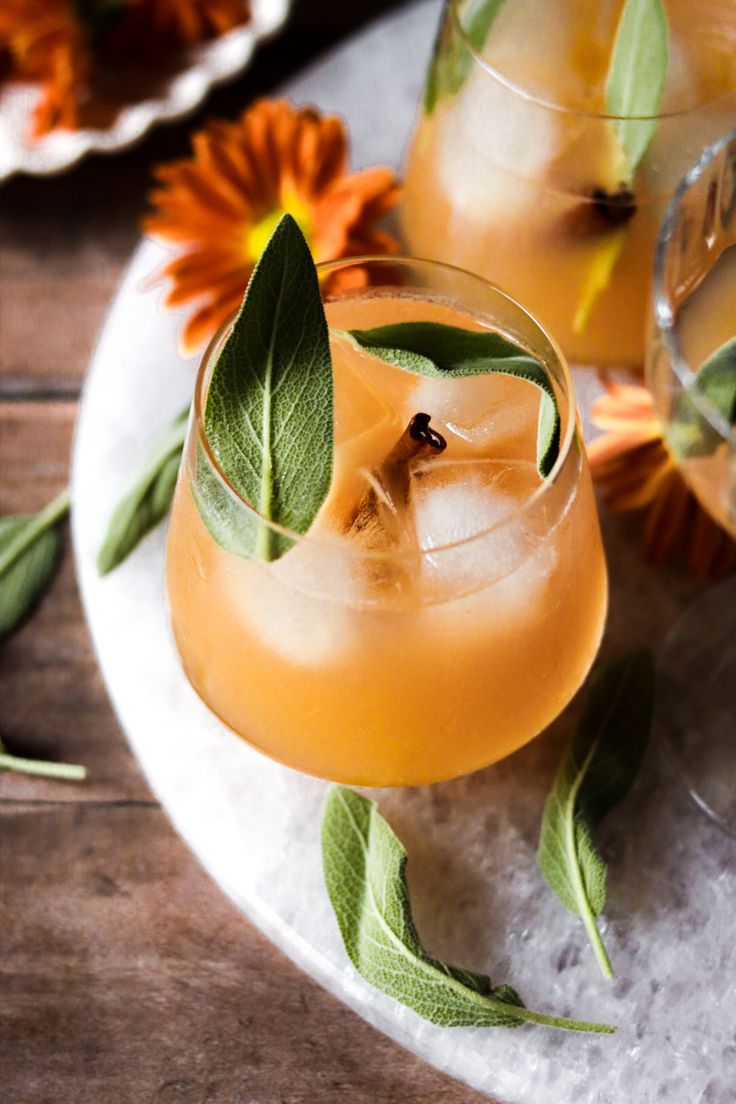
(208, 65)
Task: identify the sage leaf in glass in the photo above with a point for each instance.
(268, 415)
(451, 60)
(596, 773)
(29, 554)
(636, 79)
(365, 873)
(690, 433)
(148, 500)
(634, 87)
(436, 350)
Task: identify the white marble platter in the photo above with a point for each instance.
(479, 901)
(205, 65)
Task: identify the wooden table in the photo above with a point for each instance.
(126, 975)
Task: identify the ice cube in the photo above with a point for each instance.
(497, 414)
(301, 605)
(558, 52)
(358, 407)
(485, 142)
(389, 516)
(518, 595)
(498, 148)
(367, 391)
(469, 524)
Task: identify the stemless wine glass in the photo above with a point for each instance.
(514, 169)
(400, 662)
(694, 314)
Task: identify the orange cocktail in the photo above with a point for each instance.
(443, 608)
(515, 171)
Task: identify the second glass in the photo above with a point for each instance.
(437, 615)
(514, 170)
(693, 317)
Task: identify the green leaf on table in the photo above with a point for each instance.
(148, 499)
(41, 768)
(690, 433)
(29, 554)
(439, 351)
(269, 410)
(636, 78)
(452, 61)
(27, 578)
(596, 773)
(365, 873)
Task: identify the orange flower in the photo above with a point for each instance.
(635, 470)
(151, 24)
(51, 41)
(46, 43)
(221, 205)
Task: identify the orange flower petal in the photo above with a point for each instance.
(274, 157)
(667, 522)
(634, 470)
(614, 444)
(229, 283)
(151, 26)
(205, 322)
(43, 41)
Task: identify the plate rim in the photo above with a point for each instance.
(61, 150)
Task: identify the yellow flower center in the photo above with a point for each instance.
(261, 231)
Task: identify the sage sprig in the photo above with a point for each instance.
(636, 79)
(148, 499)
(365, 873)
(440, 351)
(29, 554)
(451, 61)
(596, 773)
(268, 416)
(690, 433)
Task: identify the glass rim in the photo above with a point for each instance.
(389, 260)
(665, 311)
(551, 105)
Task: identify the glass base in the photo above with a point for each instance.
(696, 702)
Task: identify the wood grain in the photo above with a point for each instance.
(54, 705)
(127, 977)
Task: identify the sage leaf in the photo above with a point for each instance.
(596, 773)
(29, 554)
(634, 87)
(269, 410)
(365, 874)
(65, 772)
(148, 499)
(636, 78)
(451, 60)
(433, 349)
(690, 433)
